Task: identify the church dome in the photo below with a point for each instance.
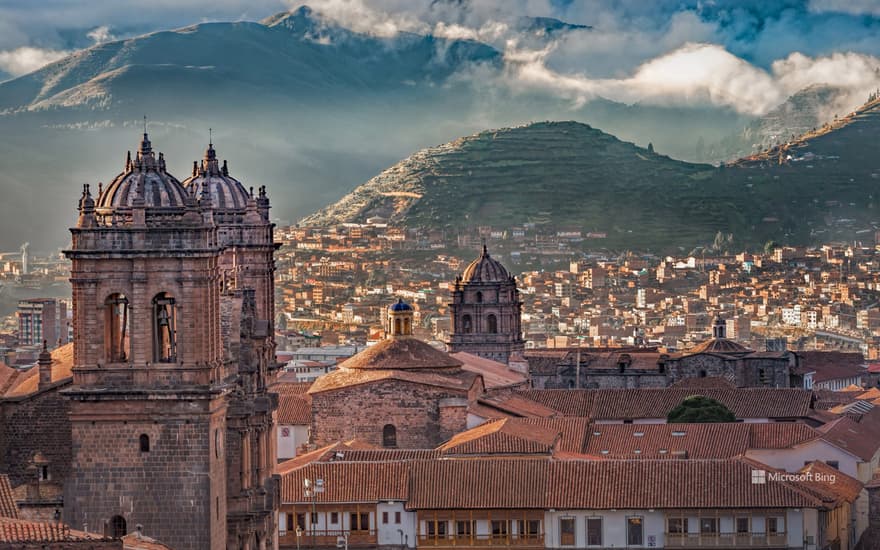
(485, 269)
(213, 180)
(144, 176)
(400, 305)
(719, 345)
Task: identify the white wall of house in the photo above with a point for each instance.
(392, 532)
(793, 459)
(290, 438)
(614, 525)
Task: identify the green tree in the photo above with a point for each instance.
(700, 409)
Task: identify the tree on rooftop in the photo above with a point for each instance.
(700, 409)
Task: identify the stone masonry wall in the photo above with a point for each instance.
(176, 491)
(362, 411)
(37, 423)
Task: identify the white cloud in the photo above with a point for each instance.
(704, 74)
(27, 59)
(101, 34)
(852, 7)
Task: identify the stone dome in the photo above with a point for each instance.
(723, 346)
(143, 176)
(211, 180)
(485, 269)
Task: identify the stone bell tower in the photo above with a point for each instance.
(486, 311)
(148, 401)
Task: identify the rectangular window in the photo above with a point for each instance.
(775, 526)
(566, 531)
(385, 518)
(301, 521)
(678, 525)
(634, 531)
(314, 518)
(500, 528)
(436, 528)
(464, 528)
(742, 525)
(360, 522)
(290, 524)
(397, 518)
(594, 531)
(708, 525)
(334, 518)
(533, 527)
(833, 463)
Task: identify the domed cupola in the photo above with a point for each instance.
(485, 269)
(144, 176)
(212, 181)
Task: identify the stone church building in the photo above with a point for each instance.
(486, 311)
(163, 422)
(398, 393)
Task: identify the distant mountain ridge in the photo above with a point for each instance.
(569, 175)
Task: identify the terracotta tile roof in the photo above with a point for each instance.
(8, 509)
(343, 378)
(27, 382)
(615, 404)
(843, 487)
(597, 485)
(8, 377)
(495, 374)
(693, 441)
(488, 413)
(514, 404)
(401, 354)
(380, 455)
(502, 437)
(780, 435)
(859, 438)
(830, 365)
(21, 531)
(348, 481)
(290, 387)
(294, 409)
(573, 432)
(136, 541)
(721, 346)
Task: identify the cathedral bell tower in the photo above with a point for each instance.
(486, 311)
(148, 400)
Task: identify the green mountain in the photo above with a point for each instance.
(570, 175)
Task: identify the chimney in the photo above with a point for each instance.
(45, 365)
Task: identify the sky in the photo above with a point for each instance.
(745, 54)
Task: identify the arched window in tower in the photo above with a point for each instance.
(492, 324)
(407, 326)
(116, 328)
(164, 329)
(389, 436)
(467, 326)
(117, 528)
(145, 443)
(479, 297)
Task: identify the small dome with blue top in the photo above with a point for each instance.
(400, 306)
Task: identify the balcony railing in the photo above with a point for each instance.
(327, 537)
(505, 541)
(725, 540)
